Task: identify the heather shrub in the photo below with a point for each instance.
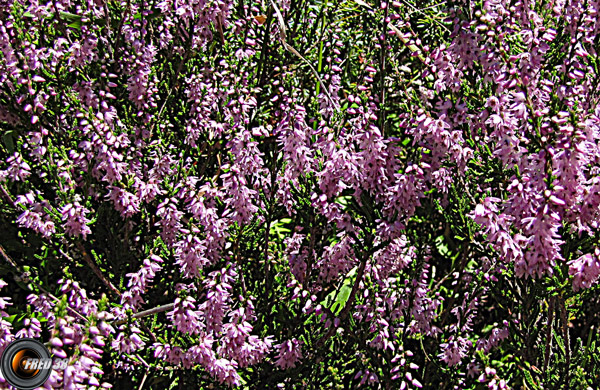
(302, 194)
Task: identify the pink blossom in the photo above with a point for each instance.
(454, 350)
(585, 270)
(18, 169)
(74, 219)
(290, 352)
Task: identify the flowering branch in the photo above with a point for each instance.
(149, 312)
(282, 34)
(42, 289)
(95, 268)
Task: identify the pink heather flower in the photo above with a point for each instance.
(495, 225)
(31, 329)
(169, 222)
(43, 304)
(78, 296)
(215, 227)
(238, 344)
(424, 307)
(544, 243)
(128, 343)
(140, 86)
(473, 369)
(201, 353)
(35, 216)
(4, 301)
(17, 169)
(86, 93)
(240, 205)
(254, 350)
(175, 355)
(225, 371)
(147, 191)
(215, 307)
(393, 257)
(585, 270)
(189, 254)
(336, 259)
(83, 52)
(526, 128)
(163, 166)
(371, 378)
(139, 282)
(74, 219)
(454, 350)
(35, 140)
(495, 338)
(185, 317)
(125, 202)
(290, 352)
(296, 260)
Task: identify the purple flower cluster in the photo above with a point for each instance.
(373, 210)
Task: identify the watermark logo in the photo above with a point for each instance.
(26, 364)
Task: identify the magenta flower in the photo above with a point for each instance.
(35, 216)
(290, 352)
(74, 219)
(585, 270)
(18, 169)
(125, 202)
(185, 317)
(454, 350)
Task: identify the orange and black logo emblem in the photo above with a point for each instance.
(26, 364)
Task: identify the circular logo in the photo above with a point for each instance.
(26, 364)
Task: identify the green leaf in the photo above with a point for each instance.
(442, 247)
(341, 300)
(277, 228)
(362, 3)
(343, 200)
(530, 380)
(337, 299)
(8, 142)
(560, 342)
